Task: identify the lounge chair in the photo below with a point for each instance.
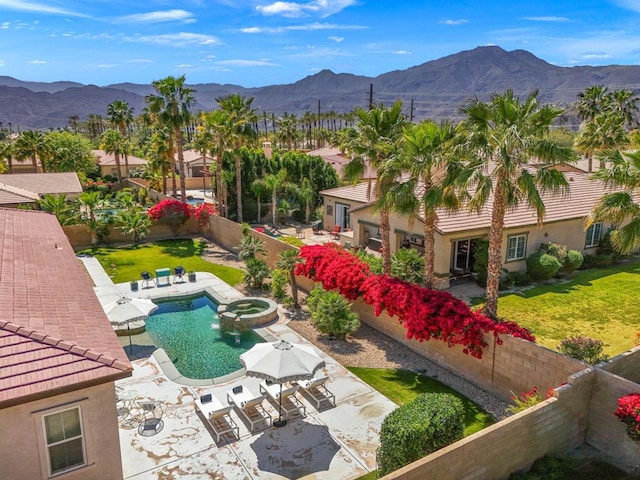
(249, 406)
(146, 278)
(291, 405)
(178, 273)
(217, 415)
(318, 391)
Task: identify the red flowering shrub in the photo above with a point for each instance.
(170, 212)
(628, 412)
(425, 313)
(203, 212)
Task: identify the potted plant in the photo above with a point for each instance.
(134, 285)
(192, 276)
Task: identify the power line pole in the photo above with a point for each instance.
(371, 96)
(411, 112)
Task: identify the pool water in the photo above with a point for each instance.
(189, 331)
(194, 201)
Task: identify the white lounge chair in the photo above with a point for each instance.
(249, 406)
(317, 391)
(291, 405)
(217, 415)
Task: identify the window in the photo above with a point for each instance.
(593, 235)
(65, 445)
(516, 247)
(329, 209)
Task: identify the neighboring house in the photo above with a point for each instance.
(59, 359)
(107, 163)
(458, 233)
(194, 163)
(334, 157)
(26, 188)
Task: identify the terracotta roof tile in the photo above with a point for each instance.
(53, 330)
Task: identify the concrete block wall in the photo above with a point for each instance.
(625, 365)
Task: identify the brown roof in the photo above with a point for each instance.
(193, 156)
(54, 334)
(44, 183)
(11, 195)
(334, 157)
(105, 159)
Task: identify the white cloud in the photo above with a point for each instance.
(336, 38)
(37, 62)
(321, 8)
(37, 7)
(161, 16)
(108, 65)
(401, 52)
(309, 27)
(2, 64)
(251, 30)
(184, 65)
(454, 22)
(633, 5)
(182, 39)
(595, 55)
(5, 25)
(247, 63)
(547, 19)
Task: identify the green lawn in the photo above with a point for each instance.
(124, 264)
(402, 386)
(597, 303)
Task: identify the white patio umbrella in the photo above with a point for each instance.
(126, 310)
(281, 362)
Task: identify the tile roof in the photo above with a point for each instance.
(12, 195)
(44, 183)
(105, 159)
(54, 334)
(191, 156)
(334, 157)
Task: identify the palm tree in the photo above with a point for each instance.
(32, 144)
(7, 152)
(217, 125)
(121, 116)
(260, 190)
(505, 134)
(241, 133)
(287, 260)
(114, 143)
(133, 222)
(374, 140)
(427, 157)
(60, 207)
(307, 194)
(275, 184)
(171, 106)
(287, 130)
(250, 247)
(621, 206)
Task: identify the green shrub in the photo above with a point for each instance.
(428, 423)
(279, 283)
(555, 250)
(331, 314)
(597, 261)
(573, 261)
(548, 468)
(542, 266)
(585, 349)
(515, 279)
(481, 262)
(293, 241)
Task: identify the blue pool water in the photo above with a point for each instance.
(189, 331)
(194, 201)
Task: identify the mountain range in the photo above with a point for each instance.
(434, 89)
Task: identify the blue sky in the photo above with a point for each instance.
(265, 42)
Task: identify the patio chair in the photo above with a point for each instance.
(249, 406)
(178, 273)
(146, 278)
(291, 405)
(318, 391)
(299, 232)
(217, 415)
(151, 418)
(335, 233)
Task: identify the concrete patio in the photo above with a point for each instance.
(335, 442)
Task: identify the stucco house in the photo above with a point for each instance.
(107, 163)
(457, 233)
(59, 356)
(27, 188)
(194, 162)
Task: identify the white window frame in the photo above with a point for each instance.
(48, 445)
(517, 238)
(593, 240)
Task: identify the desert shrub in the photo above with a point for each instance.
(573, 261)
(428, 423)
(542, 266)
(585, 349)
(547, 468)
(293, 241)
(331, 314)
(279, 283)
(314, 297)
(374, 262)
(514, 279)
(597, 261)
(408, 264)
(555, 250)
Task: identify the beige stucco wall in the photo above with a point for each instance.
(24, 455)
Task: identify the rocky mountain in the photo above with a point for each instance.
(436, 89)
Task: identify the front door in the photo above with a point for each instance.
(342, 216)
(464, 255)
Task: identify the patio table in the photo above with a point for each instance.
(163, 273)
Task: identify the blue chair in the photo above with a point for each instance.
(146, 278)
(178, 273)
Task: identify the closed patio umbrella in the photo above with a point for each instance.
(126, 310)
(281, 362)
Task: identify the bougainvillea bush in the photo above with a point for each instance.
(170, 212)
(203, 212)
(628, 412)
(424, 313)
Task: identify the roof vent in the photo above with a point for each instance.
(571, 179)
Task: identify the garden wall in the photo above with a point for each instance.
(625, 365)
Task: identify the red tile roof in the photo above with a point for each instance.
(54, 334)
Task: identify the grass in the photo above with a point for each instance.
(597, 303)
(124, 264)
(402, 386)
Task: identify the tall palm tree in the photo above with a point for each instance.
(374, 140)
(116, 144)
(121, 116)
(217, 124)
(7, 152)
(171, 106)
(427, 157)
(287, 260)
(32, 144)
(241, 133)
(276, 183)
(260, 190)
(504, 135)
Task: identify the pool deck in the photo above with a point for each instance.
(331, 443)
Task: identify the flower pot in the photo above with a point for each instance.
(192, 277)
(134, 285)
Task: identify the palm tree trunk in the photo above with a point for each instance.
(239, 184)
(118, 172)
(294, 288)
(221, 206)
(495, 251)
(273, 208)
(385, 230)
(34, 161)
(126, 164)
(429, 253)
(183, 187)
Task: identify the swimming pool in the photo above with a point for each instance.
(188, 329)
